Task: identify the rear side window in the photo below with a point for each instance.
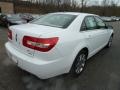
(90, 23)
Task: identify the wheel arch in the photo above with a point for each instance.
(76, 54)
(82, 49)
(112, 34)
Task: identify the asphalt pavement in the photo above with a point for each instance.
(102, 71)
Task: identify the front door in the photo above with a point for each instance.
(93, 36)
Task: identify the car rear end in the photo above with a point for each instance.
(32, 51)
(36, 46)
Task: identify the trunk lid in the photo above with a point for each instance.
(19, 31)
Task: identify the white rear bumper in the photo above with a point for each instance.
(41, 68)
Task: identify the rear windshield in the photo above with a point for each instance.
(55, 20)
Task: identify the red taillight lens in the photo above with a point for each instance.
(40, 44)
(10, 34)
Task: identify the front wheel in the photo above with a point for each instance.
(79, 63)
(110, 42)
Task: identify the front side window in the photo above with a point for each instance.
(56, 20)
(100, 23)
(90, 23)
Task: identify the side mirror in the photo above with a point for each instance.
(109, 27)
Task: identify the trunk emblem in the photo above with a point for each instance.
(16, 37)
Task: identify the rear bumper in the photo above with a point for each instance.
(41, 68)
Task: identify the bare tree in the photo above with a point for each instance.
(74, 4)
(83, 4)
(114, 3)
(105, 5)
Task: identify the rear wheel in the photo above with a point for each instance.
(79, 63)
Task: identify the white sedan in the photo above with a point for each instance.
(58, 43)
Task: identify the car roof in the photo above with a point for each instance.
(75, 13)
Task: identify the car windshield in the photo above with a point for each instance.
(55, 20)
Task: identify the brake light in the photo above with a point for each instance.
(40, 44)
(10, 34)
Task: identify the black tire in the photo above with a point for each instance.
(109, 42)
(79, 63)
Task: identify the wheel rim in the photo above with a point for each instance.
(80, 64)
(110, 42)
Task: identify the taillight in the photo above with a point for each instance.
(10, 34)
(40, 44)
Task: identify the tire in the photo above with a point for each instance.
(79, 64)
(109, 42)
